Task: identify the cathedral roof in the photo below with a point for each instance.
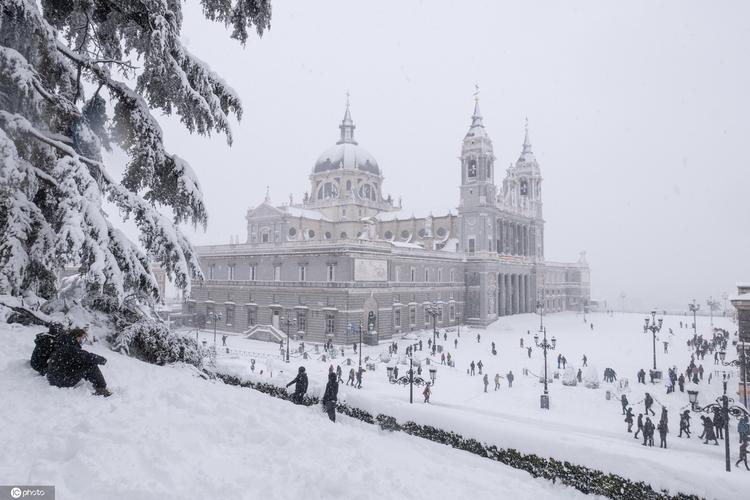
(347, 153)
(527, 159)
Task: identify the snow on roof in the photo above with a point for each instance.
(303, 212)
(405, 214)
(402, 244)
(451, 245)
(743, 284)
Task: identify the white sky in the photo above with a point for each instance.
(638, 113)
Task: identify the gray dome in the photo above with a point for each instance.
(349, 156)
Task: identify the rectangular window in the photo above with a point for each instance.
(331, 275)
(426, 275)
(452, 312)
(440, 314)
(253, 272)
(440, 276)
(302, 273)
(211, 271)
(301, 321)
(453, 276)
(471, 245)
(397, 274)
(230, 315)
(330, 322)
(397, 318)
(277, 273)
(426, 316)
(251, 316)
(413, 275)
(230, 273)
(412, 315)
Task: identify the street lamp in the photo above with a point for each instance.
(545, 347)
(654, 327)
(351, 330)
(722, 404)
(694, 309)
(711, 303)
(433, 375)
(540, 307)
(740, 363)
(693, 397)
(433, 310)
(289, 321)
(458, 323)
(214, 317)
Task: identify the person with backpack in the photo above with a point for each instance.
(624, 403)
(69, 364)
(300, 386)
(685, 423)
(330, 396)
(350, 380)
(44, 346)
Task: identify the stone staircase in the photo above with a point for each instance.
(266, 333)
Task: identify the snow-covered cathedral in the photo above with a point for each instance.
(348, 257)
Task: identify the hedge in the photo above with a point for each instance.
(584, 479)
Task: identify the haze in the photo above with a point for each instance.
(638, 115)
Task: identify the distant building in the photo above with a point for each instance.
(349, 256)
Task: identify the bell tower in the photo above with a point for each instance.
(528, 177)
(477, 204)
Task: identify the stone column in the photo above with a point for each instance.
(522, 294)
(501, 294)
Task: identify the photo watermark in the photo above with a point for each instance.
(14, 492)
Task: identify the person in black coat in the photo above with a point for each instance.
(330, 396)
(663, 430)
(640, 425)
(624, 402)
(648, 401)
(685, 423)
(629, 419)
(300, 387)
(68, 364)
(45, 346)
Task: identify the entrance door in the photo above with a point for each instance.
(275, 319)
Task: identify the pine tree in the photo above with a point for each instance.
(64, 65)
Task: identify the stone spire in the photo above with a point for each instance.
(526, 141)
(347, 126)
(476, 117)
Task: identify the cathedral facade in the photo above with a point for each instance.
(347, 259)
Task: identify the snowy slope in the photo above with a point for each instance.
(167, 434)
(582, 425)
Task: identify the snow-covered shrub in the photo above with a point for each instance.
(591, 378)
(154, 343)
(569, 376)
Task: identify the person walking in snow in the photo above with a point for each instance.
(719, 424)
(300, 386)
(663, 417)
(486, 382)
(528, 349)
(497, 381)
(479, 337)
(708, 431)
(639, 430)
(427, 392)
(663, 429)
(68, 364)
(350, 380)
(480, 365)
(521, 342)
(629, 419)
(510, 378)
(330, 396)
(448, 359)
(585, 360)
(648, 401)
(445, 336)
(360, 371)
(442, 358)
(455, 343)
(420, 344)
(681, 382)
(685, 423)
(471, 366)
(224, 340)
(339, 372)
(743, 428)
(648, 433)
(559, 360)
(624, 402)
(742, 455)
(395, 372)
(579, 376)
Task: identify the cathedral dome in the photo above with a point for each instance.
(349, 156)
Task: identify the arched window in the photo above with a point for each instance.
(343, 235)
(388, 235)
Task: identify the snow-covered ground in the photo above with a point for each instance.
(582, 426)
(167, 434)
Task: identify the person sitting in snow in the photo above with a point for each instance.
(68, 364)
(300, 387)
(44, 346)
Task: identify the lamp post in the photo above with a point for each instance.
(545, 347)
(214, 317)
(540, 307)
(694, 309)
(433, 310)
(725, 296)
(739, 362)
(711, 303)
(351, 330)
(654, 327)
(433, 375)
(289, 321)
(458, 323)
(722, 404)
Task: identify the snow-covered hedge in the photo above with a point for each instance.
(153, 342)
(584, 479)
